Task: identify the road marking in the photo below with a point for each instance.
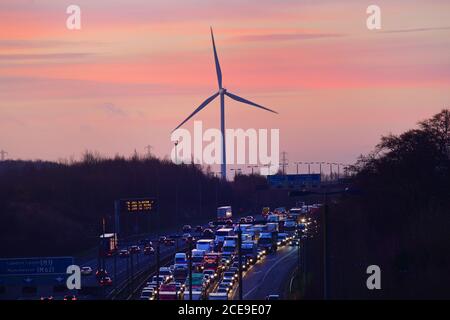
(268, 271)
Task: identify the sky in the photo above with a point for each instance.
(137, 68)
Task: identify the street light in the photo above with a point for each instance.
(252, 167)
(297, 163)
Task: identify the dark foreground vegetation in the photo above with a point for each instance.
(399, 218)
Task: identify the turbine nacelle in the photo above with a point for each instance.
(222, 91)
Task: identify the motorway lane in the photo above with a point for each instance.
(270, 276)
(140, 261)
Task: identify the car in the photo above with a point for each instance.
(124, 253)
(199, 229)
(186, 236)
(166, 273)
(273, 297)
(235, 270)
(149, 250)
(169, 242)
(249, 219)
(162, 279)
(146, 294)
(105, 281)
(229, 275)
(242, 220)
(294, 243)
(210, 273)
(229, 223)
(228, 282)
(187, 228)
(101, 273)
(70, 297)
(49, 298)
(145, 242)
(86, 271)
(208, 234)
(223, 289)
(135, 249)
(152, 284)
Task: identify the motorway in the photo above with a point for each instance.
(270, 276)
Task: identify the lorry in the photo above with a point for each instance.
(229, 247)
(224, 213)
(289, 227)
(207, 245)
(268, 241)
(108, 244)
(220, 236)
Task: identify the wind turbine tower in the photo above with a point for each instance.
(222, 93)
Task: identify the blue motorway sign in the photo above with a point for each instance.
(294, 180)
(34, 271)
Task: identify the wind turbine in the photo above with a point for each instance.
(222, 93)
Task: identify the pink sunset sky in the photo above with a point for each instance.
(137, 68)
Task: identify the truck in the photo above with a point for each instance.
(268, 241)
(249, 250)
(229, 247)
(168, 292)
(197, 258)
(108, 244)
(224, 213)
(207, 245)
(220, 236)
(289, 227)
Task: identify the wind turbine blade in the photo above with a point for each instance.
(237, 98)
(216, 60)
(200, 107)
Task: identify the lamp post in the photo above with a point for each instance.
(252, 167)
(190, 266)
(320, 168)
(240, 260)
(297, 163)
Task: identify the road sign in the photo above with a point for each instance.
(138, 205)
(34, 271)
(294, 180)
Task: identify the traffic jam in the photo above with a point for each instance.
(214, 258)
